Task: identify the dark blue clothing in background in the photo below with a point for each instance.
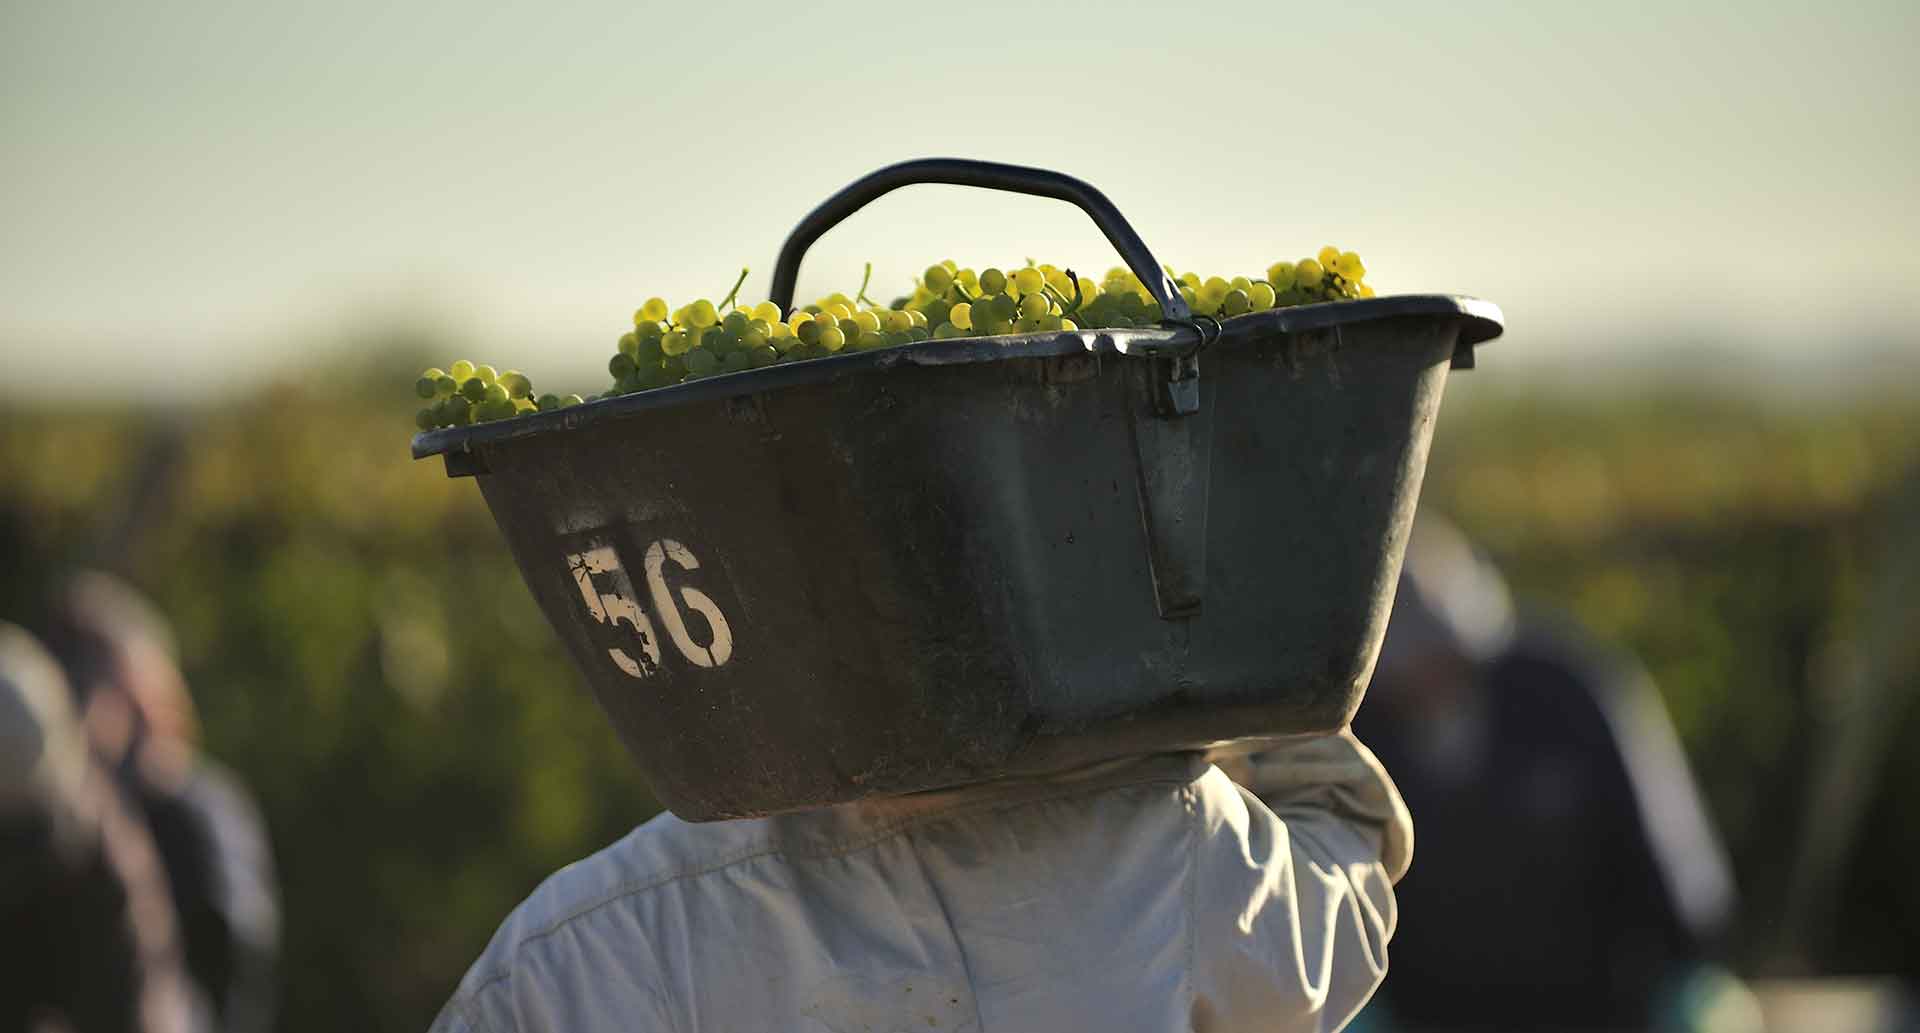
(1564, 872)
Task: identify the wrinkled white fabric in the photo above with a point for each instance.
(1152, 894)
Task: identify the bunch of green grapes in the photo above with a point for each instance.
(465, 393)
(703, 339)
(696, 340)
(1037, 298)
(1334, 275)
(1121, 301)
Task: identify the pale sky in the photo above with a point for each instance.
(194, 195)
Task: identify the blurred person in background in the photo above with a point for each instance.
(88, 941)
(1568, 878)
(141, 723)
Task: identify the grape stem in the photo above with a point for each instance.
(735, 292)
(861, 294)
(1053, 292)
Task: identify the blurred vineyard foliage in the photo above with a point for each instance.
(363, 652)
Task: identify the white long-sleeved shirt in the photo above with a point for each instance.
(1152, 894)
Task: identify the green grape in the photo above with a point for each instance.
(866, 320)
(1034, 305)
(1261, 296)
(461, 371)
(896, 320)
(1240, 283)
(445, 386)
(1028, 281)
(521, 405)
(868, 339)
(938, 278)
(736, 322)
(486, 374)
(1282, 275)
(1329, 257)
(755, 336)
(652, 312)
(767, 312)
(1237, 303)
(473, 390)
(649, 352)
(1005, 308)
(570, 400)
(629, 345)
(1069, 325)
(832, 338)
(763, 356)
(961, 316)
(424, 419)
(517, 384)
(651, 330)
(897, 337)
(919, 333)
(621, 365)
(917, 318)
(993, 281)
(1350, 266)
(947, 331)
(701, 314)
(496, 393)
(425, 386)
(701, 363)
(676, 342)
(549, 402)
(809, 332)
(1308, 273)
(850, 327)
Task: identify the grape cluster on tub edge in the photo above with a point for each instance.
(674, 346)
